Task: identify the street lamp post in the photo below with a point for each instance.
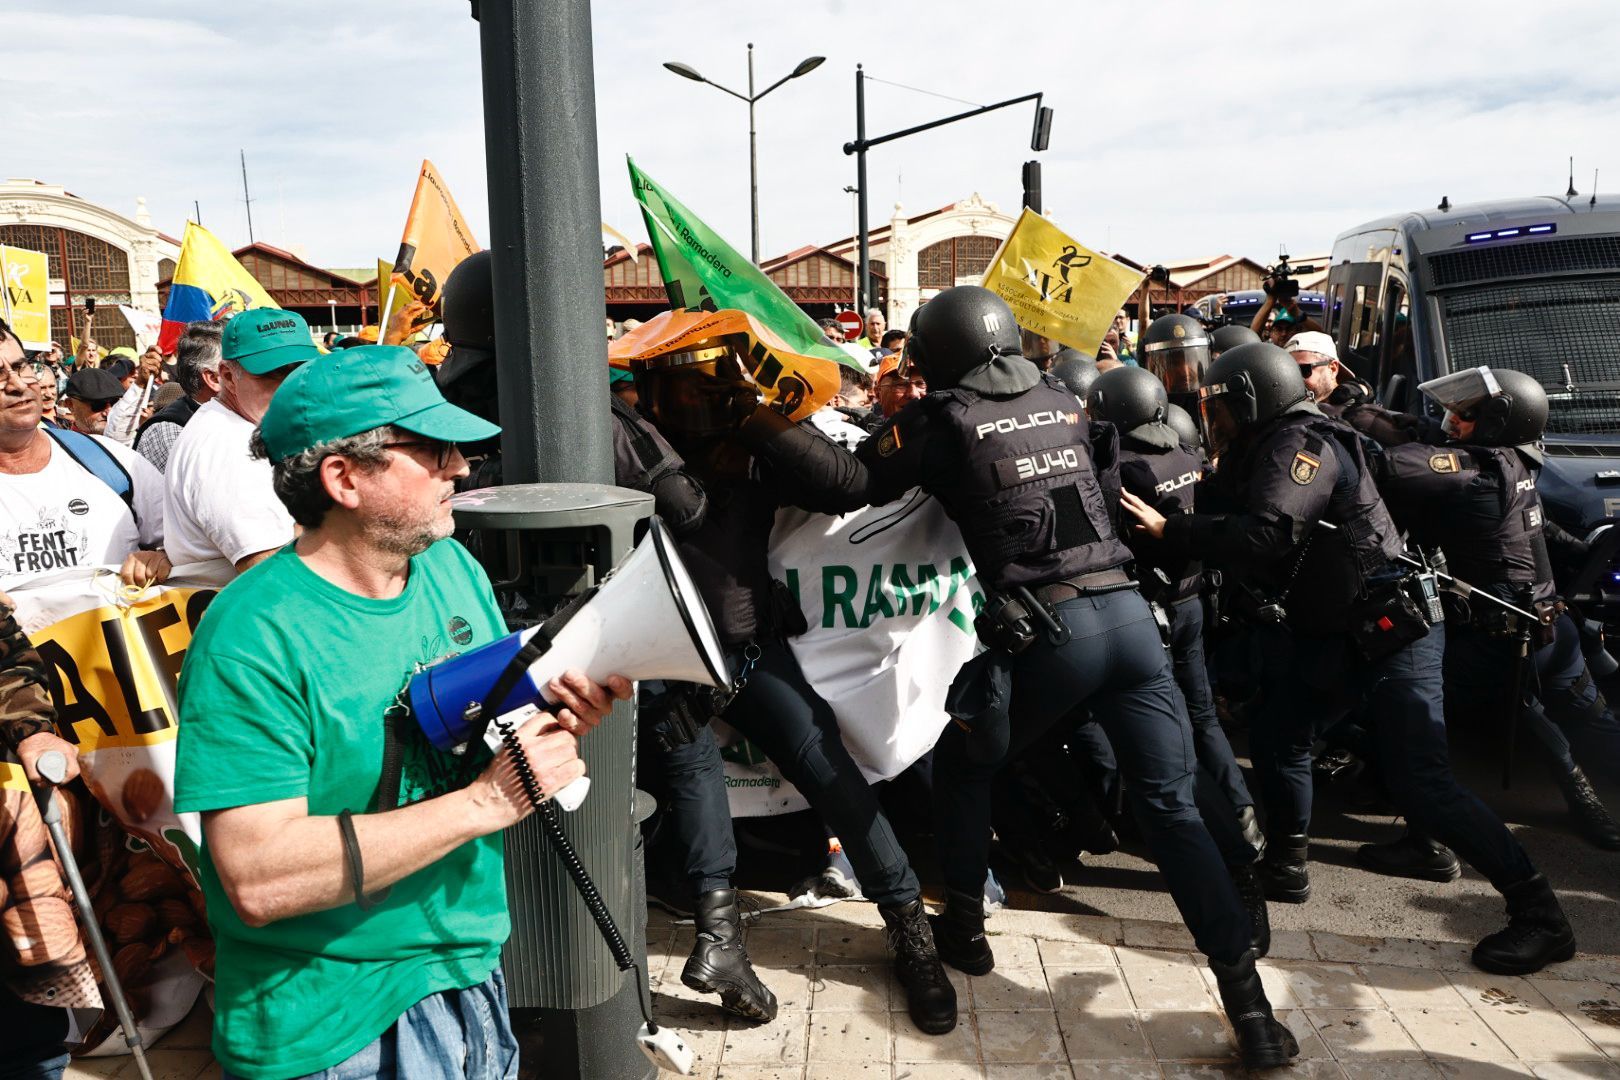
(807, 65)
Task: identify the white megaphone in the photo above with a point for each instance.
(645, 621)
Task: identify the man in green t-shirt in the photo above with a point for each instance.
(372, 941)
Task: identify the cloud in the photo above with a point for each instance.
(1183, 129)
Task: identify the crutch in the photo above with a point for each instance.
(52, 767)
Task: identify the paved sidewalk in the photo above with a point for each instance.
(1086, 997)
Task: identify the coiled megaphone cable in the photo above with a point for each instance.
(551, 822)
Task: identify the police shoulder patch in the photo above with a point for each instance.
(889, 442)
(1444, 463)
(1304, 468)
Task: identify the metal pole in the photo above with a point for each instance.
(545, 223)
(863, 282)
(753, 157)
(246, 199)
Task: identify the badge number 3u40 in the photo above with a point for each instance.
(1304, 468)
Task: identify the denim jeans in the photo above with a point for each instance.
(464, 1033)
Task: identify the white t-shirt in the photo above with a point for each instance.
(64, 516)
(221, 502)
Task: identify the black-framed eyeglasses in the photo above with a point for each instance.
(1308, 366)
(445, 450)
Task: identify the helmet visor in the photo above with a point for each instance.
(1461, 391)
(687, 401)
(1179, 365)
(1216, 418)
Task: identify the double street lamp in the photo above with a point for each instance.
(806, 66)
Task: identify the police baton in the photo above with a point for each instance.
(52, 766)
(1454, 585)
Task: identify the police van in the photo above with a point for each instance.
(1531, 284)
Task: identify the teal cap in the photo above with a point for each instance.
(262, 340)
(349, 391)
(619, 375)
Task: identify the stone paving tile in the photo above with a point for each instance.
(1115, 1070)
(1141, 934)
(1291, 945)
(1060, 1070)
(780, 947)
(1401, 952)
(1055, 926)
(759, 1072)
(939, 1070)
(1163, 981)
(1076, 954)
(1327, 986)
(1480, 1070)
(1014, 950)
(1088, 989)
(1021, 1038)
(1575, 1070)
(1100, 1035)
(1008, 989)
(1457, 1034)
(1311, 1045)
(850, 1036)
(1188, 1035)
(1593, 1007)
(850, 988)
(1386, 1070)
(1412, 988)
(701, 1027)
(782, 1041)
(1363, 1033)
(792, 987)
(921, 1052)
(850, 945)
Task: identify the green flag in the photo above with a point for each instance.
(702, 272)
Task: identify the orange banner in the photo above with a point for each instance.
(435, 241)
(793, 384)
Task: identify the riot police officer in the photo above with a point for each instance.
(1469, 490)
(681, 757)
(1007, 452)
(1227, 337)
(1157, 468)
(1339, 625)
(1074, 370)
(1176, 349)
(690, 397)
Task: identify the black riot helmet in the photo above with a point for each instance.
(1508, 408)
(1230, 337)
(690, 395)
(468, 306)
(1182, 423)
(1127, 397)
(958, 331)
(1075, 370)
(1247, 387)
(1176, 349)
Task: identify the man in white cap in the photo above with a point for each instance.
(1318, 360)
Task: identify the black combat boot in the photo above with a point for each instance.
(1537, 933)
(1254, 902)
(1284, 874)
(719, 965)
(930, 997)
(1251, 832)
(1263, 1042)
(1591, 819)
(1414, 855)
(959, 934)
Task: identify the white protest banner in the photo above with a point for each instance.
(890, 595)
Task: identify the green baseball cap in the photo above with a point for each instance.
(264, 339)
(348, 391)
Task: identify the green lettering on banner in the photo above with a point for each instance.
(876, 601)
(960, 572)
(904, 591)
(929, 587)
(841, 597)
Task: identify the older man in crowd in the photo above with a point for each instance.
(197, 368)
(221, 503)
(359, 929)
(90, 394)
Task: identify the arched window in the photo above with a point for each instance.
(92, 267)
(957, 261)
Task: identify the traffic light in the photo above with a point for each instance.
(1043, 129)
(1032, 185)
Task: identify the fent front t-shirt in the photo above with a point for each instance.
(283, 695)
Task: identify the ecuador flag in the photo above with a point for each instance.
(208, 284)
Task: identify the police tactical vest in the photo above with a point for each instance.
(1028, 500)
(1164, 479)
(1513, 550)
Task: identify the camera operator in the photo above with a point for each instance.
(1338, 626)
(354, 873)
(1282, 297)
(1010, 458)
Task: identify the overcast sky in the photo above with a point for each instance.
(1182, 129)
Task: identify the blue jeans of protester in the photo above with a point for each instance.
(1311, 682)
(454, 1033)
(1115, 664)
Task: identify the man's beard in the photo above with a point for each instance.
(398, 535)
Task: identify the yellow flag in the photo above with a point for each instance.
(435, 241)
(27, 298)
(1056, 286)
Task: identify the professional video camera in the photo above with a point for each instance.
(1280, 283)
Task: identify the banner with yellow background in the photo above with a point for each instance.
(435, 240)
(24, 285)
(1056, 286)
